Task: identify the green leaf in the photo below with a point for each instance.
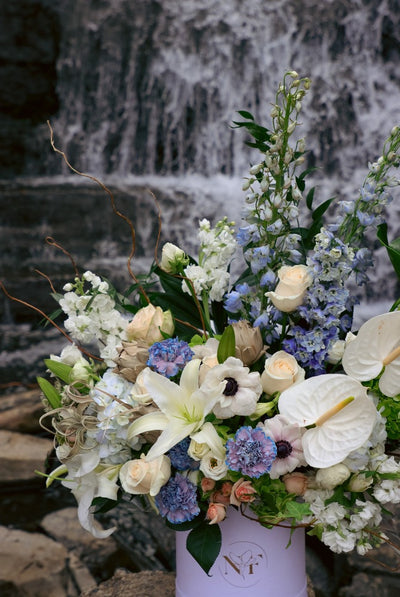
(297, 510)
(204, 544)
(104, 504)
(393, 249)
(50, 392)
(310, 198)
(60, 370)
(226, 347)
(184, 526)
(321, 209)
(245, 114)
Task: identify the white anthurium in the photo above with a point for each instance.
(183, 408)
(376, 346)
(337, 413)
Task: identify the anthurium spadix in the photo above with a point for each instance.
(337, 413)
(183, 408)
(376, 346)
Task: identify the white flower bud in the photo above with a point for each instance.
(332, 476)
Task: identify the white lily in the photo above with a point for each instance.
(209, 437)
(337, 412)
(377, 345)
(183, 408)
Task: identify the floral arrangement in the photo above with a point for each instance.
(197, 393)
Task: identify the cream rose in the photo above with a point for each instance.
(291, 288)
(332, 476)
(280, 372)
(173, 259)
(149, 323)
(141, 477)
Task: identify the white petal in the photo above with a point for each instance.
(151, 422)
(166, 394)
(208, 435)
(389, 383)
(363, 357)
(189, 381)
(343, 432)
(172, 435)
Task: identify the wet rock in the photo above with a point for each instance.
(145, 584)
(32, 565)
(20, 455)
(20, 411)
(366, 585)
(97, 555)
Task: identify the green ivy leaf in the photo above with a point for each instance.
(226, 347)
(297, 510)
(50, 392)
(204, 544)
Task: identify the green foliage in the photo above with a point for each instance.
(226, 347)
(50, 392)
(393, 248)
(204, 544)
(275, 503)
(60, 370)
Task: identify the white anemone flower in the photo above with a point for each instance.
(376, 346)
(337, 413)
(183, 408)
(239, 390)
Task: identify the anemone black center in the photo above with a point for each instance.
(231, 386)
(283, 449)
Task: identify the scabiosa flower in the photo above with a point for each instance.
(180, 458)
(177, 500)
(169, 356)
(289, 450)
(251, 452)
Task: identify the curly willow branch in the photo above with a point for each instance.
(113, 205)
(199, 309)
(47, 278)
(50, 241)
(43, 314)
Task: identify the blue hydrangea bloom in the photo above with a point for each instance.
(251, 452)
(177, 500)
(169, 356)
(180, 458)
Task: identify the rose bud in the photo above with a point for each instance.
(131, 360)
(216, 513)
(248, 342)
(242, 492)
(219, 497)
(207, 484)
(359, 482)
(149, 323)
(296, 483)
(173, 259)
(332, 476)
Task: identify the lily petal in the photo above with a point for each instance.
(208, 435)
(155, 421)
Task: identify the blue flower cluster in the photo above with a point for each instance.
(180, 458)
(177, 500)
(170, 356)
(251, 452)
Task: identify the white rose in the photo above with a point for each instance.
(332, 476)
(172, 258)
(213, 467)
(291, 289)
(141, 477)
(280, 372)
